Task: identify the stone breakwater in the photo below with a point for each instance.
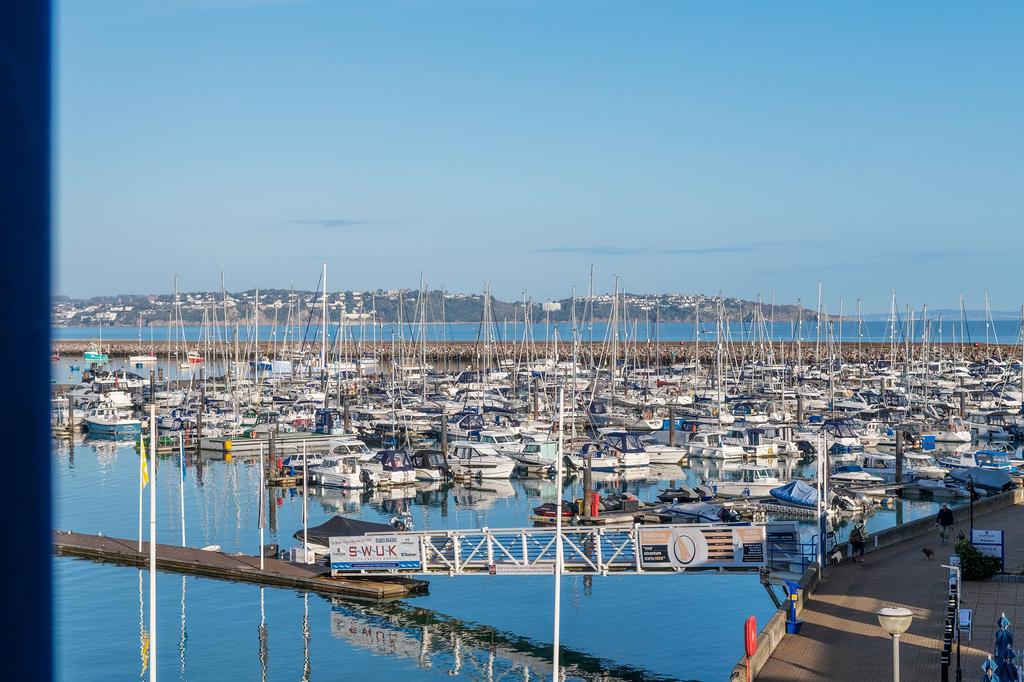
(665, 352)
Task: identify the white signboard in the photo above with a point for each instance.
(989, 542)
(374, 552)
(682, 547)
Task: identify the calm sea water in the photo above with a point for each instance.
(474, 627)
(974, 331)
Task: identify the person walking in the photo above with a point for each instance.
(858, 540)
(944, 520)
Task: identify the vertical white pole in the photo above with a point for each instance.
(261, 507)
(557, 674)
(305, 514)
(181, 484)
(142, 465)
(895, 658)
(152, 543)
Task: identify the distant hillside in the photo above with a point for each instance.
(391, 305)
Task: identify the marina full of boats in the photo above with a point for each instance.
(755, 426)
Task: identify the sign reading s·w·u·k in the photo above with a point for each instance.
(367, 552)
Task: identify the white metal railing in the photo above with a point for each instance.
(591, 550)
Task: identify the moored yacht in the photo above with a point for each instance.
(480, 460)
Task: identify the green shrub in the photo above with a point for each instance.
(974, 565)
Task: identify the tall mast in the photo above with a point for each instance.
(323, 325)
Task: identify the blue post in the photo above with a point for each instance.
(793, 624)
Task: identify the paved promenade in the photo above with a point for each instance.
(841, 639)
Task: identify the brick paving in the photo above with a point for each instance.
(841, 639)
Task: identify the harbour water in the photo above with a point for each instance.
(685, 627)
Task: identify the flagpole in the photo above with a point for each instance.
(142, 477)
(261, 506)
(152, 543)
(305, 512)
(181, 483)
(557, 675)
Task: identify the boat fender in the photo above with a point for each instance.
(228, 445)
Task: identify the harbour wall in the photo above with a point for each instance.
(468, 352)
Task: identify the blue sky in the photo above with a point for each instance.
(684, 146)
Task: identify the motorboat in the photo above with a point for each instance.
(983, 480)
(430, 465)
(601, 458)
(628, 447)
(925, 466)
(465, 425)
(712, 445)
(842, 436)
(318, 538)
(661, 453)
(342, 472)
(302, 460)
(994, 460)
(95, 355)
(752, 439)
(391, 467)
(953, 430)
(351, 447)
(108, 421)
(853, 473)
(503, 440)
(550, 510)
(538, 455)
(883, 465)
(479, 460)
(699, 512)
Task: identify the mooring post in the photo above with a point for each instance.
(444, 433)
(272, 460)
(899, 454)
(588, 487)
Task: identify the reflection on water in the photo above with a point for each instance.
(459, 647)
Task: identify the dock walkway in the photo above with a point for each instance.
(239, 567)
(841, 639)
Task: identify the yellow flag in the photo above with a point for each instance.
(144, 463)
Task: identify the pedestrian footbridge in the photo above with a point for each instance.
(774, 548)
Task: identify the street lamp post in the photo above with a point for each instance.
(956, 620)
(895, 621)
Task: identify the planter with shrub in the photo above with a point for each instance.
(974, 565)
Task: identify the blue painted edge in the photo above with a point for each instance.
(25, 121)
